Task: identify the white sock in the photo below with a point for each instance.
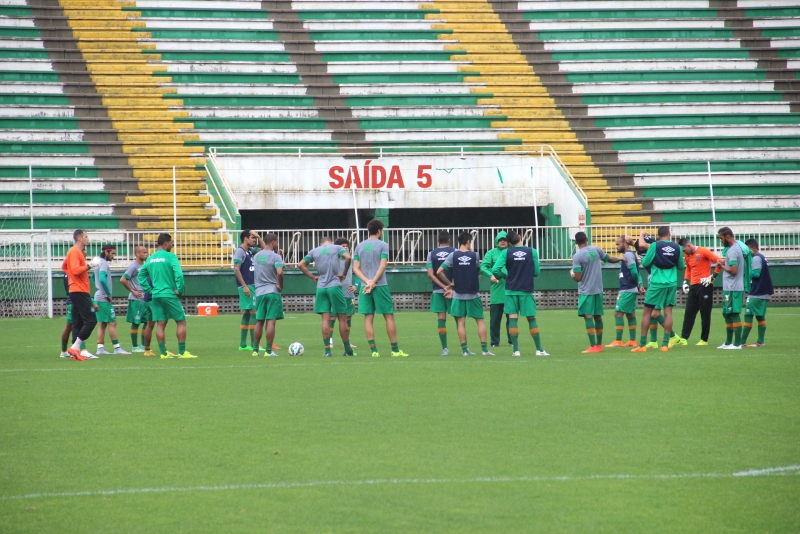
(100, 346)
(77, 344)
(116, 345)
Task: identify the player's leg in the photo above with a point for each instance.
(591, 333)
(161, 337)
(112, 332)
(391, 332)
(344, 333)
(619, 328)
(586, 310)
(258, 331)
(244, 328)
(736, 309)
(646, 315)
(667, 328)
(461, 328)
(252, 326)
(101, 337)
(66, 333)
(533, 329)
(270, 324)
(692, 308)
(746, 327)
(481, 324)
(632, 329)
(384, 305)
(706, 298)
(326, 332)
(369, 331)
(598, 328)
(441, 320)
(495, 320)
(762, 327)
(180, 333)
(656, 319)
(147, 331)
(338, 309)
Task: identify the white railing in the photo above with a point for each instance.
(410, 246)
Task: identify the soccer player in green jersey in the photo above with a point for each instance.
(630, 286)
(162, 277)
(761, 290)
(442, 292)
(329, 299)
(243, 269)
(349, 289)
(665, 260)
(587, 271)
(138, 310)
(369, 265)
(497, 291)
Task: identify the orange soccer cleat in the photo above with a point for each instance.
(639, 349)
(664, 349)
(631, 343)
(593, 349)
(614, 344)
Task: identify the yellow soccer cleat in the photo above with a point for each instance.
(187, 355)
(652, 345)
(399, 354)
(702, 343)
(149, 353)
(376, 354)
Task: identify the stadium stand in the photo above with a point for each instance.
(634, 96)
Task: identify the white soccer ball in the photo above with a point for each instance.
(572, 273)
(296, 349)
(96, 261)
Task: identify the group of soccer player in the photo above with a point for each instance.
(155, 283)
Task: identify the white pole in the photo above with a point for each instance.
(713, 211)
(535, 210)
(355, 209)
(49, 260)
(174, 204)
(30, 180)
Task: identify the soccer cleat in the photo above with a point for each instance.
(664, 349)
(401, 354)
(275, 347)
(652, 345)
(724, 346)
(542, 353)
(702, 343)
(594, 349)
(349, 355)
(733, 347)
(186, 355)
(65, 354)
(445, 352)
(516, 353)
(614, 344)
(270, 355)
(470, 352)
(751, 345)
(376, 354)
(353, 346)
(487, 353)
(75, 354)
(172, 354)
(631, 343)
(465, 353)
(246, 348)
(149, 353)
(102, 350)
(140, 348)
(88, 355)
(165, 356)
(255, 353)
(677, 340)
(640, 349)
(120, 350)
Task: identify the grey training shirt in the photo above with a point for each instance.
(370, 253)
(100, 295)
(326, 259)
(348, 279)
(630, 259)
(588, 261)
(735, 282)
(266, 264)
(132, 275)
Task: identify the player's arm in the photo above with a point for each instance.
(104, 284)
(126, 284)
(445, 266)
(347, 259)
(434, 277)
(177, 274)
(279, 273)
(648, 259)
(537, 268)
(238, 258)
(486, 267)
(303, 266)
(733, 265)
(143, 279)
(605, 258)
(500, 265)
(357, 270)
(643, 244)
(381, 270)
(755, 269)
(76, 265)
(261, 244)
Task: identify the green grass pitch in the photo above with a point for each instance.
(695, 440)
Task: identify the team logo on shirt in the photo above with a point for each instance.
(519, 255)
(464, 260)
(592, 254)
(668, 251)
(368, 247)
(324, 252)
(442, 255)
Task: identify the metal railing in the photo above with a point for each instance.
(410, 246)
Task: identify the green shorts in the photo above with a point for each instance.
(106, 313)
(590, 304)
(379, 300)
(732, 302)
(626, 302)
(269, 307)
(351, 308)
(660, 297)
(523, 305)
(245, 302)
(69, 313)
(439, 303)
(757, 307)
(330, 300)
(166, 308)
(138, 312)
(472, 308)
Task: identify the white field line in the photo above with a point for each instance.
(770, 471)
(443, 360)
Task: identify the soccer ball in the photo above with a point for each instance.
(95, 261)
(296, 349)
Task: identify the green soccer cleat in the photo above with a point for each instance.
(246, 348)
(165, 356)
(702, 343)
(376, 354)
(186, 355)
(399, 354)
(652, 345)
(677, 340)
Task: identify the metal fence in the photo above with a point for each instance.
(410, 246)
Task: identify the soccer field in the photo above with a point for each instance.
(697, 439)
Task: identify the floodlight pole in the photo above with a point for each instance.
(174, 203)
(535, 210)
(30, 181)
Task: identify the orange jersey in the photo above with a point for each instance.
(77, 271)
(698, 265)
